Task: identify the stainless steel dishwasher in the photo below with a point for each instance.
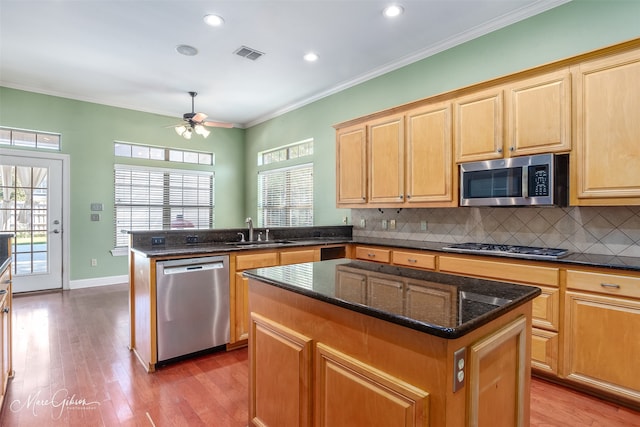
(192, 298)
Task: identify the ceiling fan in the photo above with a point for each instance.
(197, 122)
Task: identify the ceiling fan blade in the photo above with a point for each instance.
(199, 117)
(177, 124)
(218, 124)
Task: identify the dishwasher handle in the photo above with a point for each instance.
(193, 268)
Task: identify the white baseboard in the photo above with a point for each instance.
(98, 281)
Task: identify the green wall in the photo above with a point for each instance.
(88, 130)
(568, 30)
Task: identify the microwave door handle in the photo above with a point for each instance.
(525, 182)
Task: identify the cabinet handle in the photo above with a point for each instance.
(610, 285)
(364, 198)
(401, 197)
(499, 150)
(512, 149)
(371, 255)
(408, 196)
(412, 260)
(5, 310)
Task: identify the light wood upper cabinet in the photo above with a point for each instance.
(386, 160)
(351, 166)
(538, 114)
(479, 126)
(607, 154)
(429, 157)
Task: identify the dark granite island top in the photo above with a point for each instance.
(443, 305)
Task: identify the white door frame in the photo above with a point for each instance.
(66, 226)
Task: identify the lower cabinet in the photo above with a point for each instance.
(6, 370)
(602, 320)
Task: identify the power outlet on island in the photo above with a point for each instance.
(459, 362)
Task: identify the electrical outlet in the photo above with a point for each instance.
(95, 217)
(94, 262)
(423, 225)
(363, 223)
(157, 241)
(458, 368)
(192, 239)
(345, 220)
(384, 224)
(392, 224)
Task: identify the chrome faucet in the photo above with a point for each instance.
(249, 221)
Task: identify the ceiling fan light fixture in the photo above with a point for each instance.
(201, 130)
(180, 129)
(187, 134)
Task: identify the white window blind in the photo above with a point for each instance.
(159, 199)
(285, 197)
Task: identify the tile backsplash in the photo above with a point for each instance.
(595, 230)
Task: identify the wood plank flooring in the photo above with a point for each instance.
(73, 368)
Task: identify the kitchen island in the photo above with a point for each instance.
(347, 342)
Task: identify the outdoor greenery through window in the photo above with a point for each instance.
(29, 139)
(158, 198)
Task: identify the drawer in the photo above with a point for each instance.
(414, 259)
(610, 284)
(546, 308)
(373, 254)
(298, 256)
(544, 351)
(262, 259)
(506, 271)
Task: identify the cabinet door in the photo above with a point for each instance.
(539, 114)
(605, 164)
(601, 347)
(280, 375)
(544, 351)
(241, 321)
(478, 126)
(299, 256)
(429, 156)
(351, 170)
(386, 160)
(497, 368)
(441, 300)
(349, 392)
(4, 347)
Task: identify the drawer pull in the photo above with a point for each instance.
(371, 255)
(412, 260)
(610, 285)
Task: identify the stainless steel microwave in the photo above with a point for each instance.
(540, 180)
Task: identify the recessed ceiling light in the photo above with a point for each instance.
(393, 11)
(186, 50)
(311, 57)
(213, 20)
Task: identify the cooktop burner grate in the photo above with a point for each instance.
(508, 250)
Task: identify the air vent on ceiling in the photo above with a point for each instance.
(248, 53)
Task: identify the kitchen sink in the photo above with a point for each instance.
(259, 243)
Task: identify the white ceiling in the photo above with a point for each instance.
(122, 52)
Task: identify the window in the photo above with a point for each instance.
(285, 197)
(138, 151)
(158, 198)
(29, 139)
(288, 152)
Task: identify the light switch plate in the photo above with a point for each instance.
(95, 217)
(96, 207)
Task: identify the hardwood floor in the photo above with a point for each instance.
(73, 368)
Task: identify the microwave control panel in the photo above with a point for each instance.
(539, 180)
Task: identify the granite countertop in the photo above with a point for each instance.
(468, 303)
(590, 260)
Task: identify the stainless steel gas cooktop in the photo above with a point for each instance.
(530, 252)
